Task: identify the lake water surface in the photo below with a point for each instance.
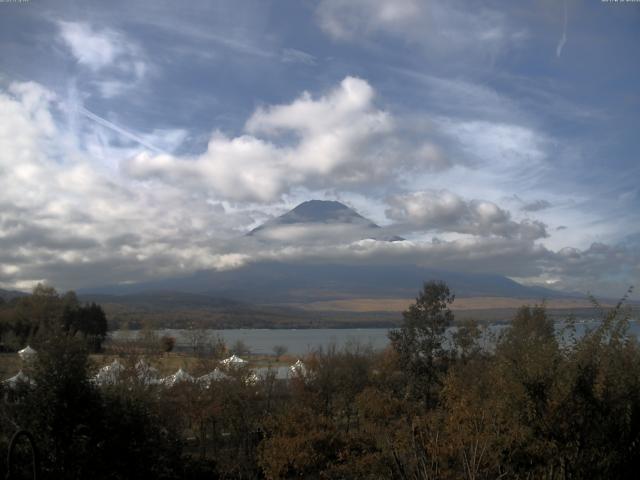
(263, 340)
(302, 341)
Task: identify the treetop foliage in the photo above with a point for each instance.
(33, 318)
(419, 341)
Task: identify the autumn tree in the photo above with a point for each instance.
(595, 422)
(88, 321)
(36, 314)
(167, 343)
(466, 340)
(279, 350)
(419, 341)
(62, 406)
(33, 318)
(240, 348)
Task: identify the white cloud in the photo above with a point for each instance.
(499, 149)
(600, 268)
(67, 219)
(93, 49)
(117, 59)
(340, 138)
(479, 254)
(496, 146)
(464, 99)
(346, 19)
(536, 205)
(606, 269)
(333, 130)
(299, 234)
(445, 211)
(293, 55)
(501, 145)
(439, 27)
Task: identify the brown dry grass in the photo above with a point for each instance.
(365, 305)
(10, 364)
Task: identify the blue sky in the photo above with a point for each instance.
(142, 139)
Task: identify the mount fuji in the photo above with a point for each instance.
(321, 214)
(292, 281)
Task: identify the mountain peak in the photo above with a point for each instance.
(315, 205)
(324, 212)
(317, 212)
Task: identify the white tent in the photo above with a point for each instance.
(206, 379)
(252, 379)
(298, 368)
(233, 360)
(27, 353)
(146, 373)
(19, 378)
(109, 374)
(114, 366)
(178, 377)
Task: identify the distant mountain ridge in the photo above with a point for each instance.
(7, 295)
(164, 299)
(278, 282)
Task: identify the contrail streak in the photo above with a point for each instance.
(125, 133)
(563, 38)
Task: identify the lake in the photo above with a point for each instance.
(263, 340)
(302, 341)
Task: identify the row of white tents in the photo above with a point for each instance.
(113, 373)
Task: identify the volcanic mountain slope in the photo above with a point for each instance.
(309, 217)
(318, 211)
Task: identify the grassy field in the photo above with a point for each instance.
(10, 364)
(331, 313)
(481, 309)
(365, 305)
